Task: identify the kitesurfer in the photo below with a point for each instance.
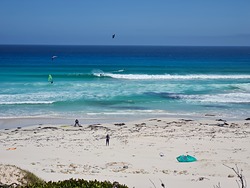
(50, 79)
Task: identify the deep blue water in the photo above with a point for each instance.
(107, 81)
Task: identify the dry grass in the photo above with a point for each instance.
(10, 174)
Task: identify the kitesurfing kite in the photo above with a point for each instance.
(113, 36)
(53, 57)
(50, 79)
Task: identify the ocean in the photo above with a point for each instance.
(124, 81)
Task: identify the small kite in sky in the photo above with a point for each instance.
(113, 36)
(53, 57)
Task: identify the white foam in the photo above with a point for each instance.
(121, 70)
(175, 77)
(220, 98)
(26, 102)
(244, 87)
(30, 98)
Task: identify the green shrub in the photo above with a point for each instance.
(73, 183)
(30, 177)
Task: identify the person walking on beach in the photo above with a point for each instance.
(77, 123)
(107, 140)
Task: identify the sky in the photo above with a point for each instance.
(135, 22)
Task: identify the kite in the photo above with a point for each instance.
(53, 57)
(50, 79)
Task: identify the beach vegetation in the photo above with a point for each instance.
(13, 176)
(76, 183)
(242, 183)
(16, 177)
(30, 177)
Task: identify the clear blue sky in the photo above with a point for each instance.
(135, 22)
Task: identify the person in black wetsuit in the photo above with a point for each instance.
(107, 140)
(77, 123)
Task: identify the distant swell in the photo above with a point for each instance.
(175, 77)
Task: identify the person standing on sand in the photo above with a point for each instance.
(77, 123)
(107, 140)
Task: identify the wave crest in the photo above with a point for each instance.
(26, 102)
(174, 77)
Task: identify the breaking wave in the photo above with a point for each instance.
(26, 102)
(174, 77)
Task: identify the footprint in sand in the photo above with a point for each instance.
(117, 166)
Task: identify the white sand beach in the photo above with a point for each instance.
(141, 153)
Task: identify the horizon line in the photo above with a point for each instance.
(120, 45)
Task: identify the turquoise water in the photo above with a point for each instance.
(113, 81)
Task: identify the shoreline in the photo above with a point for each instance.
(140, 152)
